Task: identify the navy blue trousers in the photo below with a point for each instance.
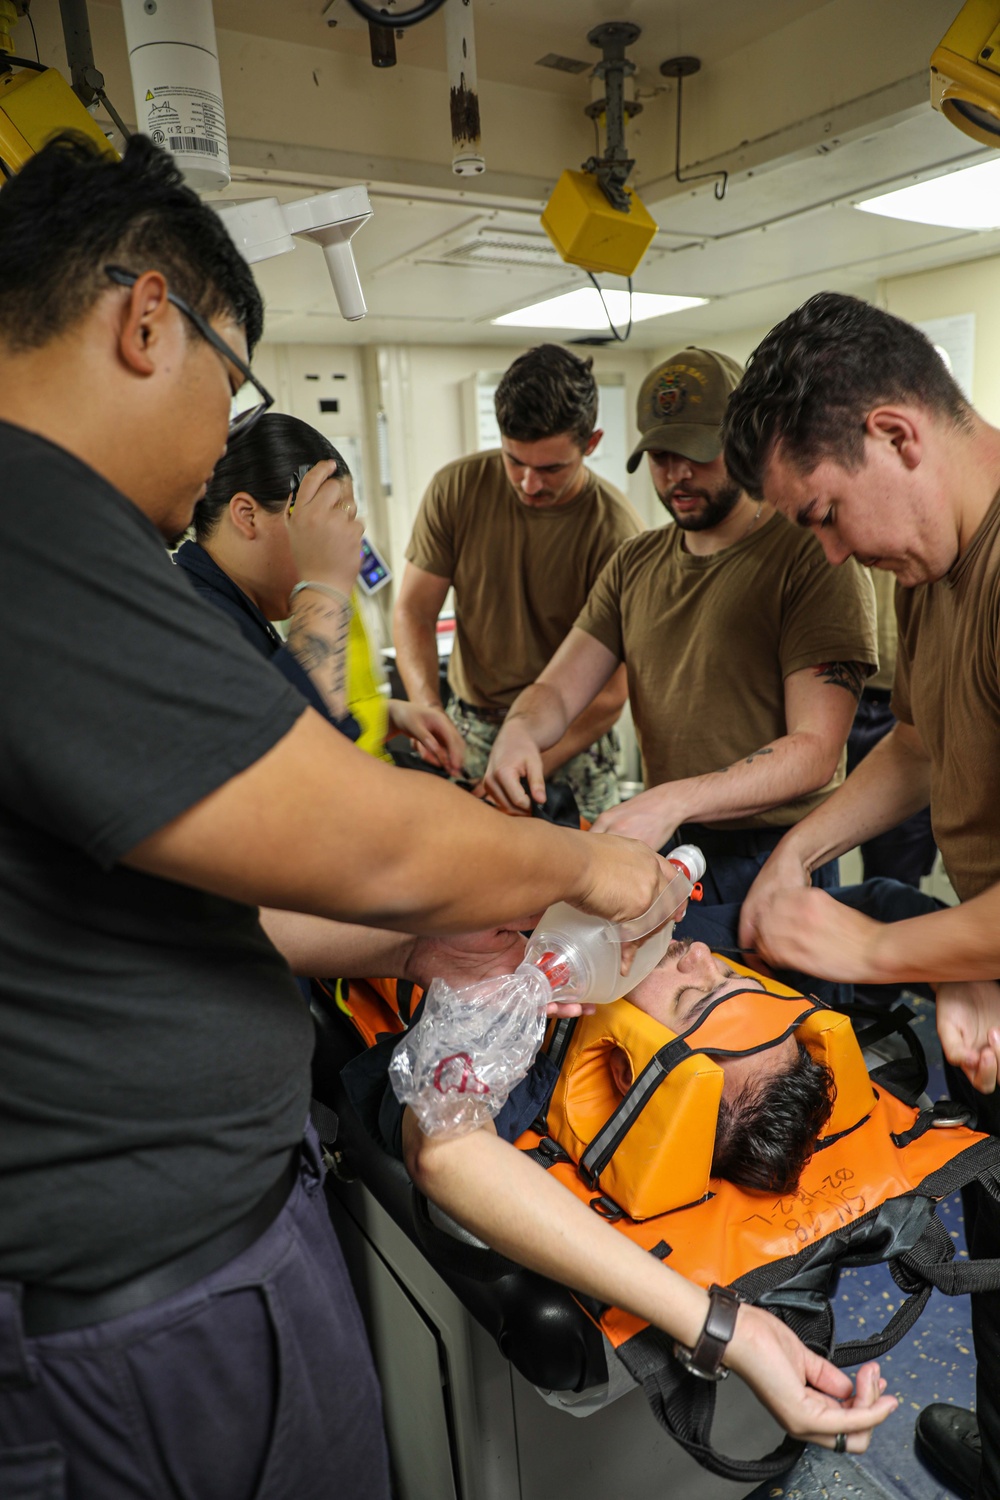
(254, 1384)
(906, 852)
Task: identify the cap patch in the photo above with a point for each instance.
(673, 392)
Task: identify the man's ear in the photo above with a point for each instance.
(897, 426)
(243, 514)
(143, 323)
(593, 440)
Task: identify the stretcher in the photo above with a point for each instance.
(484, 1364)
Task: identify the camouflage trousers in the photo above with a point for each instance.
(591, 776)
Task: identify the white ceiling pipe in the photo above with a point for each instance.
(463, 89)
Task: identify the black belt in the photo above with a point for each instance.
(50, 1310)
(737, 843)
(877, 695)
(491, 715)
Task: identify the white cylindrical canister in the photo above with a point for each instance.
(463, 89)
(174, 61)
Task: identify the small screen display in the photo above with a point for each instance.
(373, 572)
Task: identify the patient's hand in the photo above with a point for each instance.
(968, 1023)
(807, 929)
(810, 1397)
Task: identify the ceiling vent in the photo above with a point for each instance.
(562, 64)
(490, 248)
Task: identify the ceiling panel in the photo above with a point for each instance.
(782, 230)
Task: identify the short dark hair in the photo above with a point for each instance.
(765, 1136)
(811, 382)
(262, 463)
(73, 209)
(545, 392)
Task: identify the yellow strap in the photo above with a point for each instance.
(364, 698)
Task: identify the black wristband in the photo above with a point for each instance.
(705, 1359)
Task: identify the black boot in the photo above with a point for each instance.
(947, 1439)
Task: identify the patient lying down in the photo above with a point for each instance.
(774, 1103)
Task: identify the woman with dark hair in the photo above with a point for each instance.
(269, 546)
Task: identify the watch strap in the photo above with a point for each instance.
(705, 1359)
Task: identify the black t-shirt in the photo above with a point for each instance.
(154, 1049)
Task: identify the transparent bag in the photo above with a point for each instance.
(456, 1067)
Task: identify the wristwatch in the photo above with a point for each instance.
(705, 1359)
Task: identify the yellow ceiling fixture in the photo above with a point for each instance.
(36, 102)
(965, 72)
(594, 220)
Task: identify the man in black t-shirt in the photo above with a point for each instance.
(174, 1312)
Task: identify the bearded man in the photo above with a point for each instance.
(745, 655)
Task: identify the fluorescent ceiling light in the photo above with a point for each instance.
(969, 199)
(583, 309)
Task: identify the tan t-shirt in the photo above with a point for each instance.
(885, 604)
(948, 686)
(709, 642)
(521, 576)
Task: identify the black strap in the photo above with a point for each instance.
(941, 1110)
(548, 1153)
(607, 1208)
(685, 1407)
(404, 998)
(326, 1121)
(559, 1040)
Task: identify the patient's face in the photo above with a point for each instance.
(679, 990)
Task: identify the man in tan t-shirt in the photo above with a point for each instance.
(906, 852)
(521, 534)
(852, 426)
(745, 654)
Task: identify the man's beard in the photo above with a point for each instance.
(716, 509)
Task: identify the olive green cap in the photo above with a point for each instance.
(682, 403)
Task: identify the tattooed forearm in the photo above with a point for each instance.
(317, 638)
(849, 675)
(765, 750)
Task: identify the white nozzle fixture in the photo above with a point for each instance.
(690, 863)
(332, 220)
(263, 227)
(257, 227)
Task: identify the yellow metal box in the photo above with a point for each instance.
(36, 106)
(965, 72)
(588, 232)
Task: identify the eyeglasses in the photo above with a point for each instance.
(251, 400)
